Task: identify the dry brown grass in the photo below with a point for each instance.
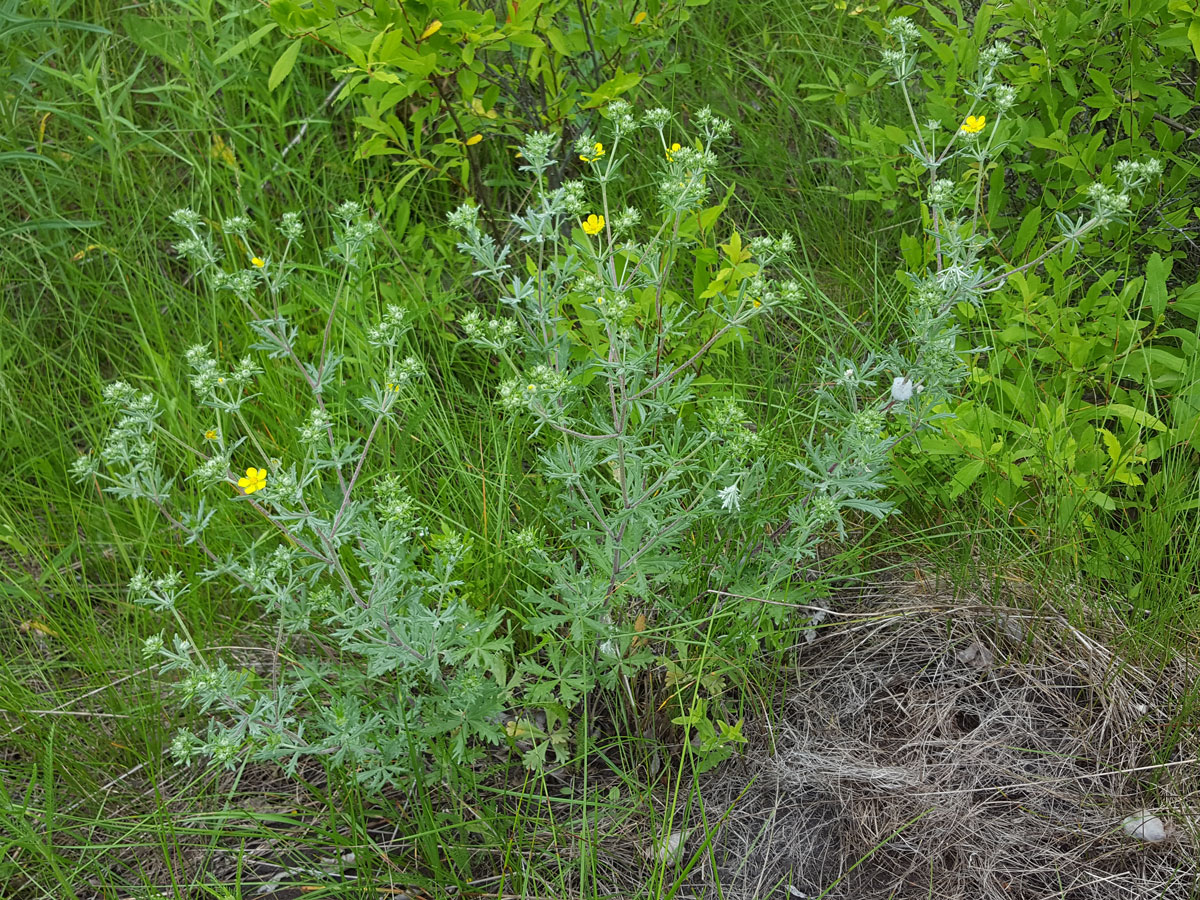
(935, 748)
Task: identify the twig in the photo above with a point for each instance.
(329, 98)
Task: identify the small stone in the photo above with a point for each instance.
(976, 654)
(1145, 826)
(667, 850)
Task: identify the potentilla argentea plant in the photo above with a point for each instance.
(339, 557)
(655, 487)
(955, 171)
(593, 317)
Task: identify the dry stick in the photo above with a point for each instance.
(91, 693)
(85, 713)
(329, 98)
(299, 136)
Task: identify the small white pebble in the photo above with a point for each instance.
(668, 850)
(1145, 826)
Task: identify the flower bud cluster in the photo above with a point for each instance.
(730, 424)
(291, 227)
(206, 378)
(197, 248)
(1004, 97)
(160, 594)
(213, 471)
(396, 506)
(537, 150)
(355, 235)
(767, 249)
(494, 334)
(404, 372)
(542, 387)
(714, 128)
(465, 218)
(388, 331)
(1109, 205)
(237, 225)
(242, 284)
(1136, 174)
(941, 193)
(626, 220)
(621, 118)
(315, 428)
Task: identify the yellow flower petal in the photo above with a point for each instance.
(973, 124)
(257, 262)
(474, 139)
(593, 224)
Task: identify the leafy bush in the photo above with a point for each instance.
(434, 78)
(1087, 377)
(657, 491)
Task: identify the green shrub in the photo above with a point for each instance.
(1087, 377)
(434, 78)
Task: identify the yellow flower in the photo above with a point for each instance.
(255, 480)
(599, 300)
(211, 434)
(431, 29)
(474, 139)
(671, 151)
(757, 304)
(593, 224)
(257, 261)
(221, 151)
(973, 124)
(639, 18)
(597, 152)
(531, 387)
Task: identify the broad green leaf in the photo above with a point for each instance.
(1102, 500)
(245, 44)
(1154, 294)
(613, 88)
(965, 477)
(1111, 444)
(284, 65)
(1128, 413)
(1027, 231)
